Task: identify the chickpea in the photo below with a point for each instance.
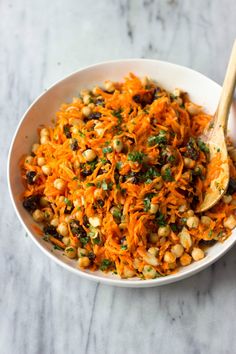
(54, 222)
(95, 221)
(169, 257)
(48, 214)
(99, 193)
(70, 252)
(153, 238)
(62, 229)
(197, 254)
(182, 208)
(153, 208)
(95, 91)
(159, 184)
(91, 105)
(190, 213)
(44, 140)
(43, 202)
(117, 145)
(193, 109)
(189, 163)
(185, 259)
(59, 184)
(86, 111)
(89, 155)
(38, 215)
(84, 262)
(82, 252)
(149, 272)
(177, 250)
(46, 170)
(84, 92)
(164, 231)
(150, 259)
(87, 99)
(41, 161)
(128, 272)
(185, 238)
(230, 222)
(35, 148)
(154, 251)
(227, 198)
(98, 129)
(109, 86)
(205, 220)
(66, 240)
(29, 160)
(44, 132)
(192, 222)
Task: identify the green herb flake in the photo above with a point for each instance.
(105, 264)
(106, 186)
(119, 165)
(202, 146)
(160, 219)
(84, 240)
(147, 201)
(68, 202)
(90, 185)
(167, 176)
(107, 150)
(124, 247)
(75, 178)
(117, 114)
(136, 156)
(81, 134)
(158, 139)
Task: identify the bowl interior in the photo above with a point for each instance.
(202, 90)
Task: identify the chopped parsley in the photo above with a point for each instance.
(106, 263)
(107, 150)
(158, 139)
(123, 247)
(202, 146)
(81, 134)
(136, 156)
(167, 176)
(117, 114)
(106, 186)
(84, 240)
(68, 202)
(147, 201)
(160, 219)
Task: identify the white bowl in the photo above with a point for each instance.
(202, 90)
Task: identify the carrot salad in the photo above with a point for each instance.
(115, 181)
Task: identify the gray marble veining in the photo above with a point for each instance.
(45, 309)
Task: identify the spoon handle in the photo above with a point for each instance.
(222, 112)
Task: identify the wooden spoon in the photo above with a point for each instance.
(214, 136)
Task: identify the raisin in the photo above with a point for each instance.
(31, 203)
(31, 177)
(52, 231)
(66, 130)
(74, 145)
(94, 115)
(76, 229)
(232, 186)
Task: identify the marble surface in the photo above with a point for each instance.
(45, 309)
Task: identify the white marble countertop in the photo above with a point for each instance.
(45, 309)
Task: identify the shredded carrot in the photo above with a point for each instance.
(117, 178)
